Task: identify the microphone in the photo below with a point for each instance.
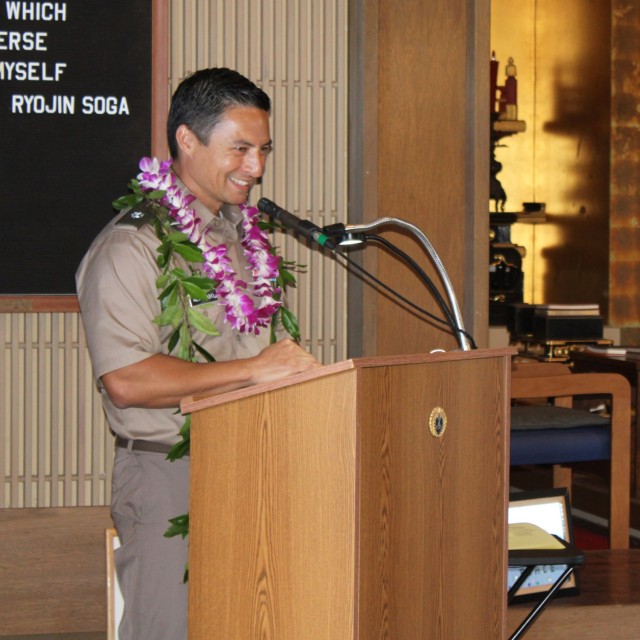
(303, 227)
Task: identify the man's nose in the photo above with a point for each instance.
(254, 163)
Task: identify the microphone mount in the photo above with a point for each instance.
(339, 234)
(357, 232)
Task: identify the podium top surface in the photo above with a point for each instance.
(193, 403)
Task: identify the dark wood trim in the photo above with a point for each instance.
(160, 78)
(475, 291)
(39, 304)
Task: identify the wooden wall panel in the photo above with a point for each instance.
(624, 268)
(53, 572)
(431, 161)
(296, 51)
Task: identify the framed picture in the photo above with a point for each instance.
(551, 511)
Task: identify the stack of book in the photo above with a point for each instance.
(567, 322)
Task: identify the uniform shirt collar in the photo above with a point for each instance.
(225, 223)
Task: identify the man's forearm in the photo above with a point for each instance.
(162, 381)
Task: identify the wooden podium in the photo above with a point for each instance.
(363, 500)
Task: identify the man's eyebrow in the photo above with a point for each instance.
(246, 143)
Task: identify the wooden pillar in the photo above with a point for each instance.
(423, 77)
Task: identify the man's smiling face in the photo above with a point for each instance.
(224, 170)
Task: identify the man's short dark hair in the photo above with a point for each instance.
(202, 98)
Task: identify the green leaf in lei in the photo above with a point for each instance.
(176, 291)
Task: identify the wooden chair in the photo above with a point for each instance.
(555, 433)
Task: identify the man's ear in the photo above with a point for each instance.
(186, 139)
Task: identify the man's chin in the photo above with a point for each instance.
(238, 198)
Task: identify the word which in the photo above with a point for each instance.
(37, 11)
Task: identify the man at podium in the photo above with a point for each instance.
(219, 139)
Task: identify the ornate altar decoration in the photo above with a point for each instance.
(506, 278)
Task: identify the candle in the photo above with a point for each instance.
(510, 92)
(493, 77)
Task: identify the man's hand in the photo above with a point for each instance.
(280, 360)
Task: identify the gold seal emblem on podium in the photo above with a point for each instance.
(437, 422)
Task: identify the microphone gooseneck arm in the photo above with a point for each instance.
(442, 272)
(426, 280)
(325, 238)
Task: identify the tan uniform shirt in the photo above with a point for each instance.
(119, 299)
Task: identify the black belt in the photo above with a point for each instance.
(143, 445)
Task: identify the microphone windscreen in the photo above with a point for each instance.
(266, 206)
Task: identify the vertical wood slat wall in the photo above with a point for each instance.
(296, 50)
(57, 450)
(56, 446)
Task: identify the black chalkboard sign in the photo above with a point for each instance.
(75, 117)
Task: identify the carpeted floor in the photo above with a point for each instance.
(592, 537)
(589, 538)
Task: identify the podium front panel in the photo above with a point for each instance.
(273, 516)
(331, 509)
(433, 507)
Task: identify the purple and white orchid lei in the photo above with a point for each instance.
(240, 309)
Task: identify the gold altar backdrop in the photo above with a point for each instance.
(562, 51)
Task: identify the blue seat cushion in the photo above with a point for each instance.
(544, 434)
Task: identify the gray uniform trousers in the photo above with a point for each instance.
(147, 490)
